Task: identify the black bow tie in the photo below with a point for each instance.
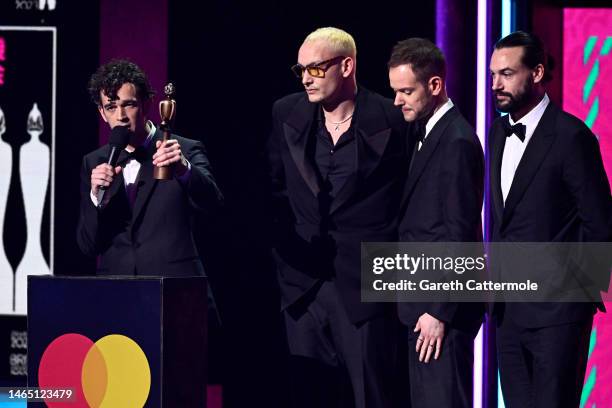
(517, 129)
(139, 154)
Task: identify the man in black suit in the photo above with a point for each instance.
(139, 225)
(548, 184)
(442, 202)
(337, 158)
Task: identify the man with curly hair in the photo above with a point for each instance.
(137, 224)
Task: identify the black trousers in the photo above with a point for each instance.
(448, 381)
(335, 363)
(542, 367)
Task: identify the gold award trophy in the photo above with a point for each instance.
(167, 110)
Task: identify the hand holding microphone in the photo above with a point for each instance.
(103, 174)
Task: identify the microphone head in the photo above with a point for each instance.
(120, 136)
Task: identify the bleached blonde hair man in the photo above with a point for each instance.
(326, 67)
(333, 338)
(338, 40)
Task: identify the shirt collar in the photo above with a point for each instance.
(448, 105)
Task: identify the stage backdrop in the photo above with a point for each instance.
(46, 56)
(27, 129)
(587, 93)
(27, 134)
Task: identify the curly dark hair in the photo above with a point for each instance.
(112, 75)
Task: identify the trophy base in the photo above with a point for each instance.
(163, 173)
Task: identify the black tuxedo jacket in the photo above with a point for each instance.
(155, 237)
(442, 202)
(317, 238)
(559, 193)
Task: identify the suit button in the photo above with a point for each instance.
(331, 151)
(137, 245)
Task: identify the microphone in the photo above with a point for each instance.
(119, 138)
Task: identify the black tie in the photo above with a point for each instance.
(139, 154)
(419, 134)
(419, 131)
(517, 129)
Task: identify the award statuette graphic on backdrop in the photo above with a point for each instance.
(34, 169)
(112, 372)
(34, 166)
(27, 132)
(6, 272)
(51, 4)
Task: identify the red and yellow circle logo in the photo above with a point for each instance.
(112, 372)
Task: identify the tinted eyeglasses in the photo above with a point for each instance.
(316, 69)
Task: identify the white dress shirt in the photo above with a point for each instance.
(130, 172)
(435, 118)
(514, 148)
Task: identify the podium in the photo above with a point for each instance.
(118, 341)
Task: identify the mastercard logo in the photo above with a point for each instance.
(112, 372)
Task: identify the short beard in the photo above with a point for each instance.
(518, 101)
(427, 113)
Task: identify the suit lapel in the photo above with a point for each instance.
(422, 157)
(532, 159)
(498, 141)
(371, 138)
(118, 181)
(145, 181)
(370, 148)
(115, 187)
(297, 130)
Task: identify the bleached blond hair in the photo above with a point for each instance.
(338, 40)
